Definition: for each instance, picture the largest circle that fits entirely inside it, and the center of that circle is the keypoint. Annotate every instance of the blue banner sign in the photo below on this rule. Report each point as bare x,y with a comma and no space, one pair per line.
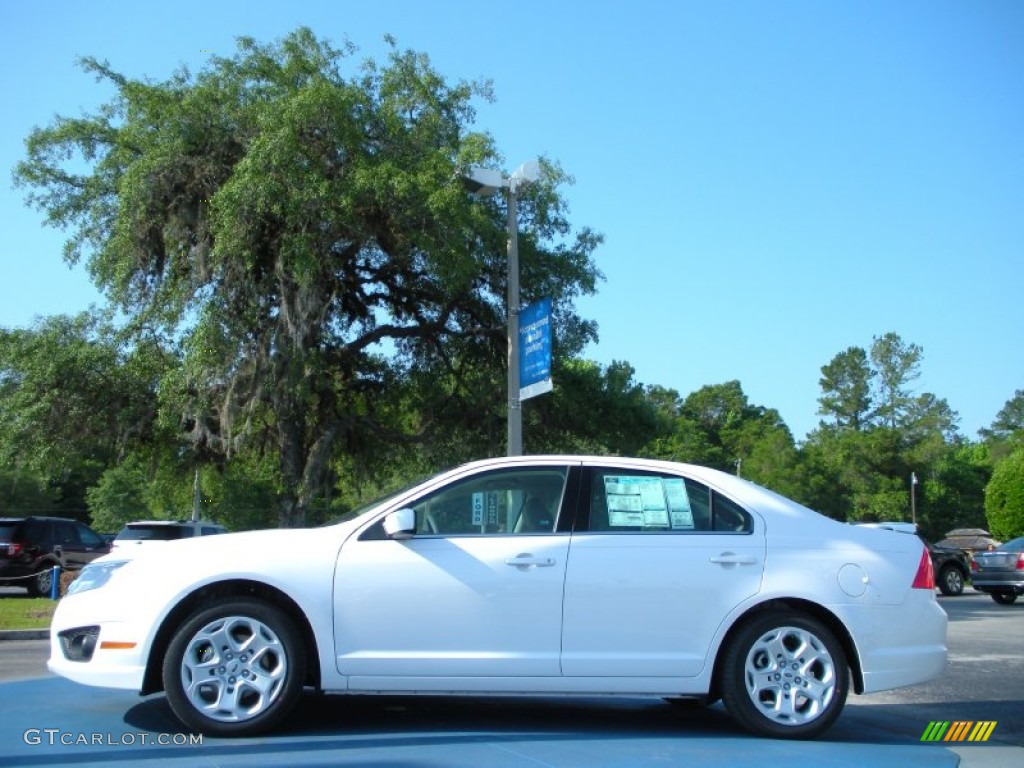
535,349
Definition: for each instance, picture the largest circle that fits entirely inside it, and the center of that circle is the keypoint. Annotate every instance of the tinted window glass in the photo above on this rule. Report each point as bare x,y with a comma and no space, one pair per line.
150,533
88,537
730,516
500,502
7,531
67,534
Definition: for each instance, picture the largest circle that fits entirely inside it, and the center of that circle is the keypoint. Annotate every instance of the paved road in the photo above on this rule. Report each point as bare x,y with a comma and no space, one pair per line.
985,681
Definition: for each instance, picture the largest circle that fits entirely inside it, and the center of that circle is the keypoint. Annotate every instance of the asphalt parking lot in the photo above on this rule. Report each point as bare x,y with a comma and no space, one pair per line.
984,682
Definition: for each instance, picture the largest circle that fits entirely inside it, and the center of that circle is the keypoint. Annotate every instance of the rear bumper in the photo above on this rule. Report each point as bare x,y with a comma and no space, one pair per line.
988,586
899,645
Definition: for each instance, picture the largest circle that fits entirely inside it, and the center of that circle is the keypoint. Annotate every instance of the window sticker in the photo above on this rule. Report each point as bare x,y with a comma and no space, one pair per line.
636,502
678,504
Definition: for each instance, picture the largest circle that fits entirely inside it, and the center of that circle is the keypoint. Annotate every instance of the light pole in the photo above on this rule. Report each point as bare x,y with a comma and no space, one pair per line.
913,500
485,182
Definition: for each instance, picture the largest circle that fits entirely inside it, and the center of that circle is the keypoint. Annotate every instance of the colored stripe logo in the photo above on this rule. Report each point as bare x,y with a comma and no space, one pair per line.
958,730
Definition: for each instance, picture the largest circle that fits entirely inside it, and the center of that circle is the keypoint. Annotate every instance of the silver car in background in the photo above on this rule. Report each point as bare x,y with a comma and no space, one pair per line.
1000,572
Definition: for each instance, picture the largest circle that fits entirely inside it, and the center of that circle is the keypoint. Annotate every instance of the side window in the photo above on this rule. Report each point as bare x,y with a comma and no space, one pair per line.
499,502
727,515
34,531
67,534
88,537
650,502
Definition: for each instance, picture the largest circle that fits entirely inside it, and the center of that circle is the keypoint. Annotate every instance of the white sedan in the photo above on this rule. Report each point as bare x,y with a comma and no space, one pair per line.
528,575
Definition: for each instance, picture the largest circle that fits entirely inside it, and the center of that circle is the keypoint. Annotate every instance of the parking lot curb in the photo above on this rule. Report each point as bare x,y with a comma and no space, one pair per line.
24,634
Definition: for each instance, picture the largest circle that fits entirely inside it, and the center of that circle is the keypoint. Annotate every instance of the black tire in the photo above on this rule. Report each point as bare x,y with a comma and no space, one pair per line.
951,581
41,583
235,669
1004,598
784,675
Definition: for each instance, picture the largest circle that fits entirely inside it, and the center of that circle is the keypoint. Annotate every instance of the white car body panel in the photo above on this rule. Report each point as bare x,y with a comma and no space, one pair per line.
650,605
475,614
589,613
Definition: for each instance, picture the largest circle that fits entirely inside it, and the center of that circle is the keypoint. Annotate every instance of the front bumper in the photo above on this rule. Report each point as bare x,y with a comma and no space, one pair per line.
113,657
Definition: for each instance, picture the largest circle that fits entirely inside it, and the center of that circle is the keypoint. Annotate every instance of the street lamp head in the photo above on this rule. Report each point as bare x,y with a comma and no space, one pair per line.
483,181
527,173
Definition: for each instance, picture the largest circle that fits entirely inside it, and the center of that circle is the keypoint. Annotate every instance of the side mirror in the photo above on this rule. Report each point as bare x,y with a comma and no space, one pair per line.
400,524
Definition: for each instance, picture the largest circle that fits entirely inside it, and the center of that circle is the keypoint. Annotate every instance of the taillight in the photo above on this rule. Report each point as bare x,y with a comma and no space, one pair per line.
13,550
1020,562
974,564
925,576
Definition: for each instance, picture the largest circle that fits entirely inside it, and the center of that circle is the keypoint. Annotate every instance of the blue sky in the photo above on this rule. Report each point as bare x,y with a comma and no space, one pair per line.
776,181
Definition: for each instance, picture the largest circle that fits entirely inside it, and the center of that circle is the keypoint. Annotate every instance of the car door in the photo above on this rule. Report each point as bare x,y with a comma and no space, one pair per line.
475,592
660,560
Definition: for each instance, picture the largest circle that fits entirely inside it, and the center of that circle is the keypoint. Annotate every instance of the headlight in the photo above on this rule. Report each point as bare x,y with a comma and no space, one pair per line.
94,576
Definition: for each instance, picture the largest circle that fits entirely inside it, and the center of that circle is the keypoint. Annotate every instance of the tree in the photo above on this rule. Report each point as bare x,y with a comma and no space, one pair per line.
897,365
846,389
592,410
952,493
718,426
74,399
1004,497
304,235
1007,430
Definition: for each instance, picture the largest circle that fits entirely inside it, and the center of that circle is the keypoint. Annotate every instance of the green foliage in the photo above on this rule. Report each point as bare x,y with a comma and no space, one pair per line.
24,493
1007,431
1004,497
952,494
846,389
69,389
118,497
296,224
897,365
592,410
718,427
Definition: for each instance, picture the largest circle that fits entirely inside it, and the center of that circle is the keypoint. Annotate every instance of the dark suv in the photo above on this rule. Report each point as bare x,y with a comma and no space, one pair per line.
31,546
952,568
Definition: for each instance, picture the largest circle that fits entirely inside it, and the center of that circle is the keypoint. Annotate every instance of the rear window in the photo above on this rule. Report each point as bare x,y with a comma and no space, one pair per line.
152,533
7,531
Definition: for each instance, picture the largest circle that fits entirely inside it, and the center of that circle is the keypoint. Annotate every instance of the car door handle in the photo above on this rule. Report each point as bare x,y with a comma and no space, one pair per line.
731,558
527,560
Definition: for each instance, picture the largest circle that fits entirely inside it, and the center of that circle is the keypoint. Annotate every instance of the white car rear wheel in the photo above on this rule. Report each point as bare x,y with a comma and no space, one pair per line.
785,676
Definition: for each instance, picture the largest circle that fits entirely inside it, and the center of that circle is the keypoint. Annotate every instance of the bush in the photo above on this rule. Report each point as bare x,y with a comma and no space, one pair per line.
1004,497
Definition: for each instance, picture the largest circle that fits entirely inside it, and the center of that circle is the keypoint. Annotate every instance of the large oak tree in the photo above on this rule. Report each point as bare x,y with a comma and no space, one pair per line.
293,222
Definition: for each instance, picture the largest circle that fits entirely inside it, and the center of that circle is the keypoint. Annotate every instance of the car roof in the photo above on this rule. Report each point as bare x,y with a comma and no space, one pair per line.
39,517
739,489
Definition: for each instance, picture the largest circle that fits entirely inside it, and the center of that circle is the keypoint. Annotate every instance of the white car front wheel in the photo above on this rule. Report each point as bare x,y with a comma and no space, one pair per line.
234,669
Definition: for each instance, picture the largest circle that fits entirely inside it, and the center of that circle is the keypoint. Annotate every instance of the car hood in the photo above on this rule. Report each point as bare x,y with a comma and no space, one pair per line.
248,551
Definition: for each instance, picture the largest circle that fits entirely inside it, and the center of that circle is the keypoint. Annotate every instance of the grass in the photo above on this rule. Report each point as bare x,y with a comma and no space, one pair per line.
17,612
